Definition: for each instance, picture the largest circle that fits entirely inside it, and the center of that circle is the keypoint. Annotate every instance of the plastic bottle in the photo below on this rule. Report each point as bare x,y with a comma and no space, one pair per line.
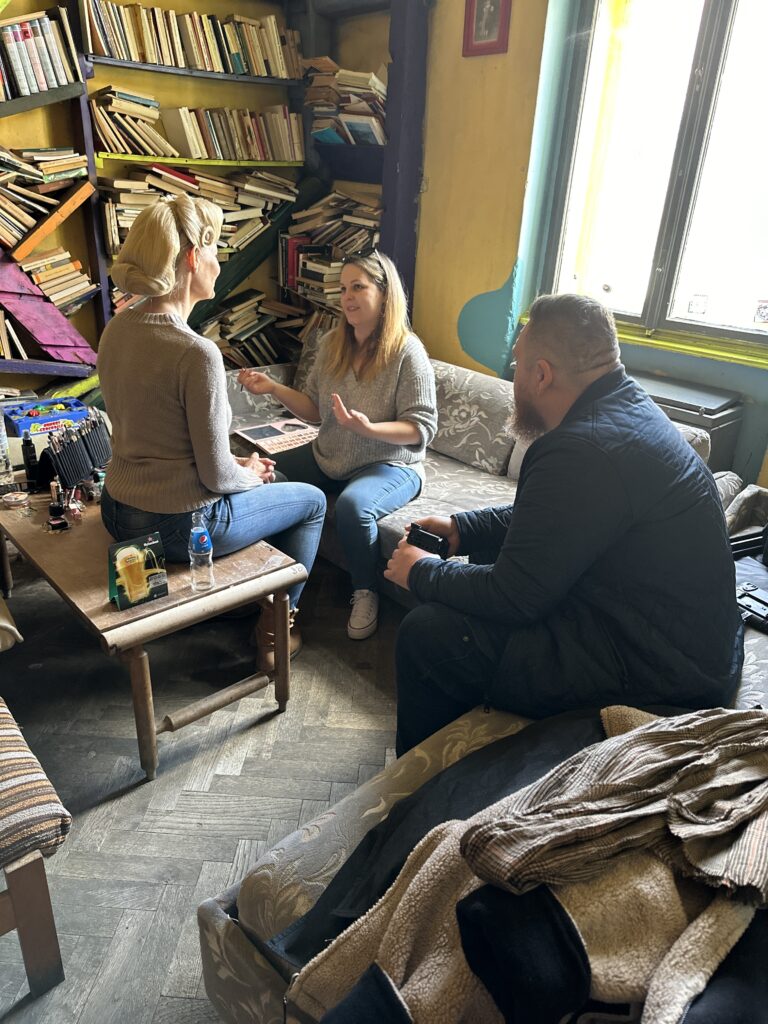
7,482
98,484
29,454
200,554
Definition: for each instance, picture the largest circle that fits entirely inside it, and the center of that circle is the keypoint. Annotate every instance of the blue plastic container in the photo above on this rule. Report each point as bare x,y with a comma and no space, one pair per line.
43,416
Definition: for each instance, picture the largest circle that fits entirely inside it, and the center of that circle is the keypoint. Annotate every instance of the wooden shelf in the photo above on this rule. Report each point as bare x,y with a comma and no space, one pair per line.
188,161
113,62
352,163
42,367
41,99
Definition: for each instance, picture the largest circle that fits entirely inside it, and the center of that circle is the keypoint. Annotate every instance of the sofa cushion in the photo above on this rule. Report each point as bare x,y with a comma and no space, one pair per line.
31,815
697,438
308,358
473,412
248,409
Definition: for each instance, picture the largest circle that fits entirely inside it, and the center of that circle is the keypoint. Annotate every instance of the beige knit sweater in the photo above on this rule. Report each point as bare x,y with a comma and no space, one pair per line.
165,392
403,390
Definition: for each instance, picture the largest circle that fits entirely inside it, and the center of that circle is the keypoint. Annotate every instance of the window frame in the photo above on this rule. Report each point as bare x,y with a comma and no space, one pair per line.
698,110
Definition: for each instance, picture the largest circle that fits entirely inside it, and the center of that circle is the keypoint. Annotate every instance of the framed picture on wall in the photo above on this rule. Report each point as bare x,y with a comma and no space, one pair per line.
486,27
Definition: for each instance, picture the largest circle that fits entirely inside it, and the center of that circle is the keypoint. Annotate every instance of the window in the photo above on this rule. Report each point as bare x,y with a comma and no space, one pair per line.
665,215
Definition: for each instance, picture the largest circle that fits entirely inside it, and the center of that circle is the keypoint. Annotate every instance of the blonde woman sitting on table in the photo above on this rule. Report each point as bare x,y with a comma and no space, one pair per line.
165,391
372,389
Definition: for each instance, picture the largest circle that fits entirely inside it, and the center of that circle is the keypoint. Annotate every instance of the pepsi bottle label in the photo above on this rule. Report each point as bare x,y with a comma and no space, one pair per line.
201,541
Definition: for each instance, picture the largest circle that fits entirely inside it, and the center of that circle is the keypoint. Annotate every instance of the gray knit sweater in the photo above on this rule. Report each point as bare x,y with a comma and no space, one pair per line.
165,392
404,390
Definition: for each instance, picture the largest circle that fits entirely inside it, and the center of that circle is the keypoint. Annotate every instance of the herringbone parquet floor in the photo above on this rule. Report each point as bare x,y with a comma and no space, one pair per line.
141,856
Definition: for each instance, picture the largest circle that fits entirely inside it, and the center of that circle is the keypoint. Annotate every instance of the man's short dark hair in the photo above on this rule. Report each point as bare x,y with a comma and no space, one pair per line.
579,333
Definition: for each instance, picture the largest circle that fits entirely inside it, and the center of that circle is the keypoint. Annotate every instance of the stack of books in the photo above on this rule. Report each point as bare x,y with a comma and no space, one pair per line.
20,209
37,53
61,279
318,279
22,206
10,346
225,134
123,300
134,123
254,331
233,45
249,201
55,163
345,219
347,107
239,328
128,122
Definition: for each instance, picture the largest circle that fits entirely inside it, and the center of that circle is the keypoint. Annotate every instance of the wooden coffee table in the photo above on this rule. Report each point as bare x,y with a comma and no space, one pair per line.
75,564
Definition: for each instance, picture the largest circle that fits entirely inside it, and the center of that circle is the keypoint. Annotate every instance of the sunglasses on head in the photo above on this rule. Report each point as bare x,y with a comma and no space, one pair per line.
364,254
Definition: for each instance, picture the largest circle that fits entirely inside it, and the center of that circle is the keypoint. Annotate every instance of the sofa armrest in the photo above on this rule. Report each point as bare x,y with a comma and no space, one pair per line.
290,877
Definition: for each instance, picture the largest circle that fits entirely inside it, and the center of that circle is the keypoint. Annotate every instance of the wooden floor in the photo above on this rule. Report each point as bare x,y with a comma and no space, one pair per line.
142,856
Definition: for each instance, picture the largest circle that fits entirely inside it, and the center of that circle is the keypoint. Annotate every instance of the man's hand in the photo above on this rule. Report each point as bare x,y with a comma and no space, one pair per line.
263,468
443,526
403,557
256,382
357,422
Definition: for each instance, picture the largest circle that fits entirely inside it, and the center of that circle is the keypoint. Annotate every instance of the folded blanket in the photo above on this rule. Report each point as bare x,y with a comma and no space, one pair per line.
691,789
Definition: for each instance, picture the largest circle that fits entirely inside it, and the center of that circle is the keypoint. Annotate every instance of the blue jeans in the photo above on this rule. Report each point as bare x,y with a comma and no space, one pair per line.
290,516
372,493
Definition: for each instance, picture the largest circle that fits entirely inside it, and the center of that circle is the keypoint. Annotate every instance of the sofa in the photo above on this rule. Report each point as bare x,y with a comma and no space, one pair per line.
472,462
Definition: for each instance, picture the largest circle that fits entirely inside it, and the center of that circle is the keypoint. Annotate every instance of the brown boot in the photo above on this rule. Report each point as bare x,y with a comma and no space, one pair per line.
264,637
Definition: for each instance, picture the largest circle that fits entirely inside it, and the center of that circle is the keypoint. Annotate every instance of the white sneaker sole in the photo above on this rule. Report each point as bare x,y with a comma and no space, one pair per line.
362,632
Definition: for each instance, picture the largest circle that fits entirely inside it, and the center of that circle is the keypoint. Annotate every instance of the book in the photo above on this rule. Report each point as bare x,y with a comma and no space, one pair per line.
78,195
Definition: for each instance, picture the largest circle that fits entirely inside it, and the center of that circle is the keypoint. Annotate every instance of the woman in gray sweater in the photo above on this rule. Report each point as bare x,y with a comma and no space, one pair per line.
372,389
166,394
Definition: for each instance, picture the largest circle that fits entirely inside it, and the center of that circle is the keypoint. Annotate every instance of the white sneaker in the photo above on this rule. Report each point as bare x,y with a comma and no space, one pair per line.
363,619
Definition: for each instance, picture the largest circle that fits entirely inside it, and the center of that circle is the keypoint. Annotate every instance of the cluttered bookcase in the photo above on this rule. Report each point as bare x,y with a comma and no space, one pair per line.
180,98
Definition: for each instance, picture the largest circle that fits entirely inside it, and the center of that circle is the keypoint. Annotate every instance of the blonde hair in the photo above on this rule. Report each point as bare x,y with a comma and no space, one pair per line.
148,262
391,334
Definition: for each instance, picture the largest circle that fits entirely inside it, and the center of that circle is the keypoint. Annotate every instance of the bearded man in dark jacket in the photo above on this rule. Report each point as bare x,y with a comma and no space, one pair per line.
608,581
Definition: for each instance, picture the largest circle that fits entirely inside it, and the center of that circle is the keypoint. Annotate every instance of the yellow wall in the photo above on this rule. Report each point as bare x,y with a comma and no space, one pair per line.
362,43
478,128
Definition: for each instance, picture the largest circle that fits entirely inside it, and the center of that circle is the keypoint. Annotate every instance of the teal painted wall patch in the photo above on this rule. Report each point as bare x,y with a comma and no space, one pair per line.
486,326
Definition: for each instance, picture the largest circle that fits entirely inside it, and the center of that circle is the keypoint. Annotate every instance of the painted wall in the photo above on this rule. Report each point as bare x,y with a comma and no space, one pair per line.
477,142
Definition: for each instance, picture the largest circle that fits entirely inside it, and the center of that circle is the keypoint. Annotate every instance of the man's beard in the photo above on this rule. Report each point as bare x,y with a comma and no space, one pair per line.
525,422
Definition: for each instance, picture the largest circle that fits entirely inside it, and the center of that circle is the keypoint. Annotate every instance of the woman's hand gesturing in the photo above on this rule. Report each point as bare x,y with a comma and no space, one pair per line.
357,422
256,382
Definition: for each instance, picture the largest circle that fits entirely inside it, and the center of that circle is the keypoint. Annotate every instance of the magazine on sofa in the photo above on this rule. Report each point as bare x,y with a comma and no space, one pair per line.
278,436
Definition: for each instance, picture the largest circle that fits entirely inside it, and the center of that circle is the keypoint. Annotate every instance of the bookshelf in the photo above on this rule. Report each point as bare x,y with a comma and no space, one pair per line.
186,161
23,104
186,85
398,165
45,368
92,58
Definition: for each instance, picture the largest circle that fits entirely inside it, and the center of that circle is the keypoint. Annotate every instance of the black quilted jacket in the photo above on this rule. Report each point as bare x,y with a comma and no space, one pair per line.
612,569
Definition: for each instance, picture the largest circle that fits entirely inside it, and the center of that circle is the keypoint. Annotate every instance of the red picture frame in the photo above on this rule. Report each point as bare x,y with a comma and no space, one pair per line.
486,27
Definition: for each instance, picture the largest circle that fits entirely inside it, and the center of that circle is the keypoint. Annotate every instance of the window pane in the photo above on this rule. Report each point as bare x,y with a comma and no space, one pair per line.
723,277
637,79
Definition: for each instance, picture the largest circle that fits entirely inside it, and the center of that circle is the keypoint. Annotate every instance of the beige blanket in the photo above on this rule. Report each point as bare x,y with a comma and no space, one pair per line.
647,936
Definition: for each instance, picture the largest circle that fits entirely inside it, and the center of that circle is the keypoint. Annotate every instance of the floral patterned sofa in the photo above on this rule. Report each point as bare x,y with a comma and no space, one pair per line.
471,463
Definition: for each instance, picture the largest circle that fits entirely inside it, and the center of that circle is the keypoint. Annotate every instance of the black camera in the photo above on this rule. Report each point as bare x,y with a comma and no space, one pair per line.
430,542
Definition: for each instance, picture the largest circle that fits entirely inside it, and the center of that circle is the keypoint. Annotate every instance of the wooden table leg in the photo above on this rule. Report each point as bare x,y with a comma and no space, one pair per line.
282,649
34,923
5,566
143,708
